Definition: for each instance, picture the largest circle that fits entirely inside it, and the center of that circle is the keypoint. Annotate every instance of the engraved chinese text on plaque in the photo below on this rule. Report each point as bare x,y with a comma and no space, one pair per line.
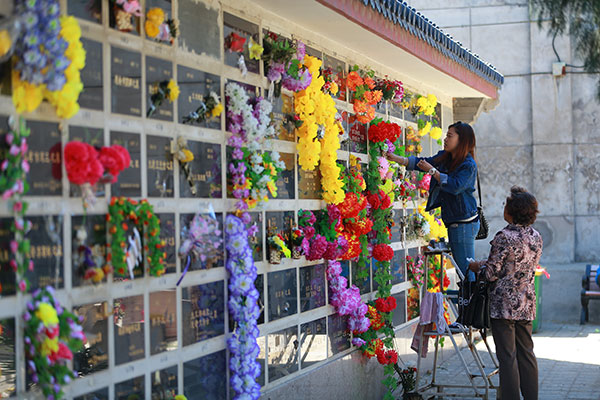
126,76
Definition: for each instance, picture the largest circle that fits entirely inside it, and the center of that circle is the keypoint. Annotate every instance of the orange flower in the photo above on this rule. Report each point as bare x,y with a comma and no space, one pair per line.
370,82
373,97
353,80
360,107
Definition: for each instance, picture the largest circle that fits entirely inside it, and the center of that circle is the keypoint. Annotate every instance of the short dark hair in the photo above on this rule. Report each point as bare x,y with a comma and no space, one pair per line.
522,206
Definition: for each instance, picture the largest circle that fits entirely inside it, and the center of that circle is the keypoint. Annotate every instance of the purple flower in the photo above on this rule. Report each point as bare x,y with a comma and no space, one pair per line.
9,138
238,154
276,71
300,50
4,165
358,342
297,84
26,316
14,150
35,378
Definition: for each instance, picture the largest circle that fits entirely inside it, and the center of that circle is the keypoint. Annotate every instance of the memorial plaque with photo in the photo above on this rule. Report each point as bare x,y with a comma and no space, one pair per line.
309,184
195,86
312,287
100,394
399,316
205,171
92,96
158,70
94,137
398,267
285,181
358,135
206,377
160,166
130,389
246,29
363,284
167,233
95,228
213,261
199,28
409,116
345,139
93,356
128,317
7,275
337,70
257,241
8,378
280,222
339,339
129,183
85,9
164,383
283,353
163,321
44,157
46,251
282,294
313,339
203,311
126,75
283,110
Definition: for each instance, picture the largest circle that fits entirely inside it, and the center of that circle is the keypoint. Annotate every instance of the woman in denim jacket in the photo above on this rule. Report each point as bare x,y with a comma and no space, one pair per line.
454,172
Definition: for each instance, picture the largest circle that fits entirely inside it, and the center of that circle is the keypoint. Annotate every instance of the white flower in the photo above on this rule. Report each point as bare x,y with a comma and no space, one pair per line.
275,156
258,169
256,158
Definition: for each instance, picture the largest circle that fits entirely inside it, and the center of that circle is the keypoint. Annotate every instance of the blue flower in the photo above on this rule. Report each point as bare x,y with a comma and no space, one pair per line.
234,225
30,19
31,39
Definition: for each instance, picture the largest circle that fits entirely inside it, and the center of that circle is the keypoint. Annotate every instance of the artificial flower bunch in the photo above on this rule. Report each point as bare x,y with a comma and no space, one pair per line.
284,63
210,107
161,91
333,82
49,56
159,27
321,239
13,186
85,164
201,240
244,310
88,263
52,334
437,229
319,133
392,90
124,11
235,43
365,96
278,243
413,142
416,272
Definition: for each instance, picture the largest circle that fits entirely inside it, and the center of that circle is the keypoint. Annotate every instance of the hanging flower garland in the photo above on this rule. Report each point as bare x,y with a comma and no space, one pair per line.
52,334
49,58
141,214
13,186
364,94
164,90
157,26
243,306
319,133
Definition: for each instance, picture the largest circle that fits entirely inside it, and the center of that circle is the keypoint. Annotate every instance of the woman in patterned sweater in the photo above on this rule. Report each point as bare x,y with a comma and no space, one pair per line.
510,269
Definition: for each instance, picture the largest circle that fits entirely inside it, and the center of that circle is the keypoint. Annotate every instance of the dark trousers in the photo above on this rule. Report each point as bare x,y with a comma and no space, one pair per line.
518,365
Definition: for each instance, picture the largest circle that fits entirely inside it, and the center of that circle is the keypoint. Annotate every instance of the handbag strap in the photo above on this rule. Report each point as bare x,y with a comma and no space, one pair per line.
479,190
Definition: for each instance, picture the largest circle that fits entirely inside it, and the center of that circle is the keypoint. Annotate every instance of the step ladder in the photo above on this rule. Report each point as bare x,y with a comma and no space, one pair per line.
480,378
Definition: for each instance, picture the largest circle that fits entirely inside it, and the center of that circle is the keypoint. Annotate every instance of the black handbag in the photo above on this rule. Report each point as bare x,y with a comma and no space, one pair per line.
484,227
474,303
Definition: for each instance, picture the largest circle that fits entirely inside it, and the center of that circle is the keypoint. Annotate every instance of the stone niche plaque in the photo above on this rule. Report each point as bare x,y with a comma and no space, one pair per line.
158,70
92,96
163,321
283,353
7,275
257,241
337,68
130,389
364,284
93,356
100,394
160,166
280,221
126,76
338,337
283,109
199,28
313,339
205,171
357,132
398,266
8,379
86,10
94,137
246,29
312,287
167,233
281,290
194,86
211,262
309,184
44,157
285,180
46,251
203,310
206,377
164,383
95,227
128,317
129,182
399,316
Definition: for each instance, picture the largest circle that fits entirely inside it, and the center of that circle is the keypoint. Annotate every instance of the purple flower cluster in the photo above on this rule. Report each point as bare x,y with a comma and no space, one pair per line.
347,301
41,50
299,82
244,310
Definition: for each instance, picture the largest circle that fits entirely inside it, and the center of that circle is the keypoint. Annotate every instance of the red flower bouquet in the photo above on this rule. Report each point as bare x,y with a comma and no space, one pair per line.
387,357
384,130
114,159
81,163
386,305
383,252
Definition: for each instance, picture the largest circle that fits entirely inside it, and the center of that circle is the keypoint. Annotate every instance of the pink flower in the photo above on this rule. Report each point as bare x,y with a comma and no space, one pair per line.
25,166
9,138
24,146
13,264
14,246
30,267
19,224
14,150
22,286
4,165
7,195
18,206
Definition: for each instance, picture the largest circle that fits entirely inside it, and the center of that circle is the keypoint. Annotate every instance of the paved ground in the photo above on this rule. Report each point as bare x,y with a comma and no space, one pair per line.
568,361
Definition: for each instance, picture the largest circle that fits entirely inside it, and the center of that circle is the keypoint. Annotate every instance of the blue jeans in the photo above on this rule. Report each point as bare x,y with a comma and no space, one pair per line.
461,238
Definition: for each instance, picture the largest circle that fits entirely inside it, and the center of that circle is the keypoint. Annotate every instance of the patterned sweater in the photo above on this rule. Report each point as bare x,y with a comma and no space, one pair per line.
510,268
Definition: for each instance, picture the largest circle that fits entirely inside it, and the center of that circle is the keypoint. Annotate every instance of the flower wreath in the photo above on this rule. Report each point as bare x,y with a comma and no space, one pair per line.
13,186
52,334
142,215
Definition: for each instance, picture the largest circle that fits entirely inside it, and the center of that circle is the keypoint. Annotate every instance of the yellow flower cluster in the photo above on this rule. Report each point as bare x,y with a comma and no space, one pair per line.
436,133
437,230
173,90
47,314
427,104
425,130
154,19
317,111
217,110
27,97
5,42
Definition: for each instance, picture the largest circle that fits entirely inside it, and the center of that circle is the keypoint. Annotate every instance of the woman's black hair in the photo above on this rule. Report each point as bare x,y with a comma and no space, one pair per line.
522,206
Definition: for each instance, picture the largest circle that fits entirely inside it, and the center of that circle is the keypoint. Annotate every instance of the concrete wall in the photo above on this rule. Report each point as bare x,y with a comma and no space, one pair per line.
544,135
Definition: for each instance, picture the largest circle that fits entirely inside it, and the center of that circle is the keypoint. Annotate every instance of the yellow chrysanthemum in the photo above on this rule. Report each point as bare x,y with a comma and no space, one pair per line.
156,16
425,130
49,346
334,88
255,50
98,276
5,42
47,314
217,110
436,133
69,29
26,96
186,156
173,90
152,30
